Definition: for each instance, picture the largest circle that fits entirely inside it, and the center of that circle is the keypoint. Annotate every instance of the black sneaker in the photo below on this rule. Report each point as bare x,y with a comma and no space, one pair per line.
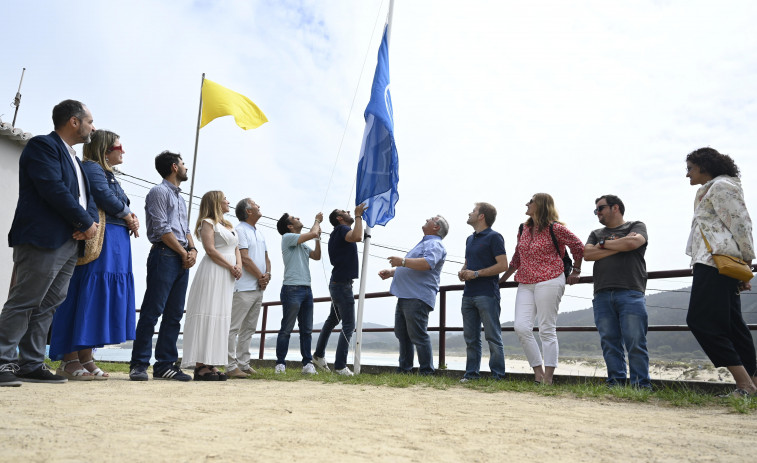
8,375
172,372
138,374
41,375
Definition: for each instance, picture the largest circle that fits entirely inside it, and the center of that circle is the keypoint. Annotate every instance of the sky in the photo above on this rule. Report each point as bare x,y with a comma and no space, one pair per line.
493,101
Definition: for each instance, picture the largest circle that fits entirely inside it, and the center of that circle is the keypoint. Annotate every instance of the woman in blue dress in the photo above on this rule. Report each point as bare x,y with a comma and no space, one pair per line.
99,308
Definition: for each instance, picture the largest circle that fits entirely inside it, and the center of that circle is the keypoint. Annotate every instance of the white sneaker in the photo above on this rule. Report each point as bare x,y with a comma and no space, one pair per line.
345,372
320,362
280,368
309,369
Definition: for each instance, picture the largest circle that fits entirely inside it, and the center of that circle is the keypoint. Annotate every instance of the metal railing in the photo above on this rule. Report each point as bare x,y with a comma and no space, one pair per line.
443,329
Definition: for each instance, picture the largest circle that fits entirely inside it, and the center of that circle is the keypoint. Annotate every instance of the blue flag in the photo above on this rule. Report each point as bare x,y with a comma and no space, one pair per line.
377,171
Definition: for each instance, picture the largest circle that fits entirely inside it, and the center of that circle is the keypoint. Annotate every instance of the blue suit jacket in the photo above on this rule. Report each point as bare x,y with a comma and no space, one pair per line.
48,209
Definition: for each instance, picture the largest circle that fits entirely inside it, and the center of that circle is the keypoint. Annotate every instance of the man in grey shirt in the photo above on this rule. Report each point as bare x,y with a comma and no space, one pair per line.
172,255
620,279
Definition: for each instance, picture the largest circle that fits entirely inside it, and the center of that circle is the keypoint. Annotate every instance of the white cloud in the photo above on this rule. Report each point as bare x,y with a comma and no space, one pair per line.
493,101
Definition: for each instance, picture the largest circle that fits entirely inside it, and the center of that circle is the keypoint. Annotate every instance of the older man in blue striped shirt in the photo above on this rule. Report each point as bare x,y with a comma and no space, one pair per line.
415,283
171,256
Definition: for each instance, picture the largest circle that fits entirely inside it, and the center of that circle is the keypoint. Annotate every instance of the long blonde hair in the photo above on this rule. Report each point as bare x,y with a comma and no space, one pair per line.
97,148
211,207
545,213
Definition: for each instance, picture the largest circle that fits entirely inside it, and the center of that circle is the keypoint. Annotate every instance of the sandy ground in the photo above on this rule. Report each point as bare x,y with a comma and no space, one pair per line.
262,420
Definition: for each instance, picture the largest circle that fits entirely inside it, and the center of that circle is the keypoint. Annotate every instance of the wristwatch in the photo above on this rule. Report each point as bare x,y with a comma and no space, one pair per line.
602,244
475,274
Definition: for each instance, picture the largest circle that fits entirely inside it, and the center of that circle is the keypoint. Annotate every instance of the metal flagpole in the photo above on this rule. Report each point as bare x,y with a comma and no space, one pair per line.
367,245
194,160
361,299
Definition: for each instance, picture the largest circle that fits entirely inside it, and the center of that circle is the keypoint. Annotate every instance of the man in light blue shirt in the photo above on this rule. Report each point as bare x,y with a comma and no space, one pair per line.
416,283
296,295
172,255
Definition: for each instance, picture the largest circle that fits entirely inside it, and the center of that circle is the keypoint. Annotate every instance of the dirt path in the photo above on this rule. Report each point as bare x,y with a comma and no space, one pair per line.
260,420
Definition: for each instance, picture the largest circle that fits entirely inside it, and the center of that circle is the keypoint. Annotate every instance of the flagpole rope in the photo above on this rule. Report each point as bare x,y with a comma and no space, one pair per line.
339,150
349,114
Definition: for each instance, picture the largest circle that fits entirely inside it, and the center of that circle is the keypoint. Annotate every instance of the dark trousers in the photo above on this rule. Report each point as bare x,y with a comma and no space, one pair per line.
167,281
715,320
342,311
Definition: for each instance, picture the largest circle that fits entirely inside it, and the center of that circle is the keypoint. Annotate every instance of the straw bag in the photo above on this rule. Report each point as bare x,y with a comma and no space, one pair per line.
94,245
730,266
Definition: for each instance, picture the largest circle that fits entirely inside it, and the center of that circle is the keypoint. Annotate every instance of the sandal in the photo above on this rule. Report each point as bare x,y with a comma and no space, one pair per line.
209,375
81,374
221,376
97,372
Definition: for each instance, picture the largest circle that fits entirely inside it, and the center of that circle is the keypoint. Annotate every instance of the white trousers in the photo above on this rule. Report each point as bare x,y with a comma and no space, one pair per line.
541,301
245,309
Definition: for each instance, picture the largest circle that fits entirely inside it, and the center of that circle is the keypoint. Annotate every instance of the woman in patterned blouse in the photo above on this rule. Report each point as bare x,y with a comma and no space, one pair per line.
721,216
541,281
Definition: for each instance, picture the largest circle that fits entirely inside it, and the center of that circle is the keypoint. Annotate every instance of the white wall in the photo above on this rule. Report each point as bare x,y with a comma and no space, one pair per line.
10,151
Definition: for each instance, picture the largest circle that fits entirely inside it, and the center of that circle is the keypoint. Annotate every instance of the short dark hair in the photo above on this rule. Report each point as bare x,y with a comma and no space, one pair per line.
611,201
489,211
241,209
65,110
333,216
710,161
283,224
164,161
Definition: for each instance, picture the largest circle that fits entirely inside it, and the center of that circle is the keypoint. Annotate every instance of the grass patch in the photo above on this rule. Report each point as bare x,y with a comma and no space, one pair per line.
673,396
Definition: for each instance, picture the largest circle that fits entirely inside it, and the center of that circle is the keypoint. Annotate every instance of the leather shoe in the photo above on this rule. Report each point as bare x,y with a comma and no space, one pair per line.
236,373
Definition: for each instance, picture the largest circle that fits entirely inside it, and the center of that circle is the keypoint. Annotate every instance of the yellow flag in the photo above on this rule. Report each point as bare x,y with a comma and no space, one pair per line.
219,101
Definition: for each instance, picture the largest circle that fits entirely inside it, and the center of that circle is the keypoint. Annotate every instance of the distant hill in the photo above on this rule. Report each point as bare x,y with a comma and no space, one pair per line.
668,308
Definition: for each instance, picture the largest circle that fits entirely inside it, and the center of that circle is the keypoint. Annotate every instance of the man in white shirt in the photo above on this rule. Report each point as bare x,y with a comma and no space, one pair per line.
248,290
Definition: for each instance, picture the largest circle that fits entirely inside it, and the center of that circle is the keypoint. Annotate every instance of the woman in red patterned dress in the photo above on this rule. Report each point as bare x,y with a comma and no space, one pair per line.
541,278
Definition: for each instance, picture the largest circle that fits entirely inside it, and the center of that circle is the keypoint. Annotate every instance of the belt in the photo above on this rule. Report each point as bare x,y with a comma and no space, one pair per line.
162,245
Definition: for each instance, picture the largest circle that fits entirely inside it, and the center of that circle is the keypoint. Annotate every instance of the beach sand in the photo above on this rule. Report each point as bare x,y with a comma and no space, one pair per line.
262,420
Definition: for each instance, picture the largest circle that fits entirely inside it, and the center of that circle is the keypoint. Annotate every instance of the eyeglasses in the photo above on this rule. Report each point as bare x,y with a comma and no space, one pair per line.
116,148
599,208
530,201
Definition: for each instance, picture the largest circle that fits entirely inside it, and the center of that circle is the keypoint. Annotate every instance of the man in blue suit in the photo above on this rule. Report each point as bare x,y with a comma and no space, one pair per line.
55,212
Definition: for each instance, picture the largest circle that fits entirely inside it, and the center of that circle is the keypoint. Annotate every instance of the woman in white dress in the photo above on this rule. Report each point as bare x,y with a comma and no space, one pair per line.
206,330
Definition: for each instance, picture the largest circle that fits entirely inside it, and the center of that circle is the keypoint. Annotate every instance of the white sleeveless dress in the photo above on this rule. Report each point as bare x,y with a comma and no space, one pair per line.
206,328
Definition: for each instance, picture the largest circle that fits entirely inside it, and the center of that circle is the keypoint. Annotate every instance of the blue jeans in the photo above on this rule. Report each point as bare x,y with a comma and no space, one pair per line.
621,319
411,329
296,304
165,294
342,308
478,310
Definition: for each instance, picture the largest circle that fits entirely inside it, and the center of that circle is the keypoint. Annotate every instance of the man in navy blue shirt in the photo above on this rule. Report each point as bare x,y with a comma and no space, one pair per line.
343,256
485,259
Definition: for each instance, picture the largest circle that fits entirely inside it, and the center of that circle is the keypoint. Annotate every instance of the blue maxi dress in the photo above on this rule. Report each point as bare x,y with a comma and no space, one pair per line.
100,308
